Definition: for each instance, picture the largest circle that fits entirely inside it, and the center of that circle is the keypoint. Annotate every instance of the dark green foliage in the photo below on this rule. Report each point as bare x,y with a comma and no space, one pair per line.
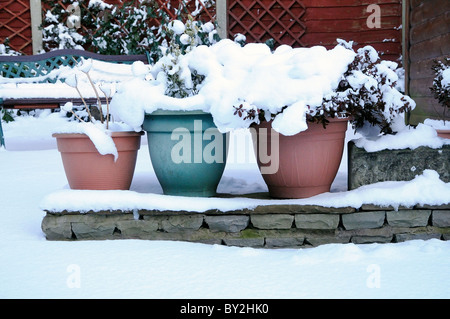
134,27
7,115
440,92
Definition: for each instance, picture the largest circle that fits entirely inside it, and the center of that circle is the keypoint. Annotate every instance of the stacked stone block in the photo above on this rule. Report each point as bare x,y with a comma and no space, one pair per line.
269,226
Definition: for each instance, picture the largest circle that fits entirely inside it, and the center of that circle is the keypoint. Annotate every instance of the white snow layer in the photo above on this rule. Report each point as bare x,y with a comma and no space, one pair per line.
99,72
408,137
438,124
445,77
294,79
425,189
32,267
97,133
235,75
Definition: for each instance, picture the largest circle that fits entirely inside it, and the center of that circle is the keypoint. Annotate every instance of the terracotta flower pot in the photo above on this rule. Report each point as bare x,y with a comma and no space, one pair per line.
308,161
443,133
86,168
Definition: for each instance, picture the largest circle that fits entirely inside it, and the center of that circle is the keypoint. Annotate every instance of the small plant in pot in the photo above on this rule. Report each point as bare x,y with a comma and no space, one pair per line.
306,141
187,151
441,92
97,153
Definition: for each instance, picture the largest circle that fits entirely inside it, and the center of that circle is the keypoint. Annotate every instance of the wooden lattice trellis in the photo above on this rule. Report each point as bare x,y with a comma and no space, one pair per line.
261,20
15,24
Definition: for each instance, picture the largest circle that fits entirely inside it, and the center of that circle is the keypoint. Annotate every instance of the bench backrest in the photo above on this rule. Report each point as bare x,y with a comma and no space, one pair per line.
29,66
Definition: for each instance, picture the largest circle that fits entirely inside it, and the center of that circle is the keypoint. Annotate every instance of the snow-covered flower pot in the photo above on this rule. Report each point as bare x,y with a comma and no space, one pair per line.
97,153
292,88
357,87
301,165
443,133
187,152
442,127
86,168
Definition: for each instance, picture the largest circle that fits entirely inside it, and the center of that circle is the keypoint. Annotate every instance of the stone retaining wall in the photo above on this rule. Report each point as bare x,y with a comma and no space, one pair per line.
269,226
366,168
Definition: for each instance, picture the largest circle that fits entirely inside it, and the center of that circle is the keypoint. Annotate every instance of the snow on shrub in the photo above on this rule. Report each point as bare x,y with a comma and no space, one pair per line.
367,93
5,49
56,33
171,68
95,121
134,27
242,85
441,84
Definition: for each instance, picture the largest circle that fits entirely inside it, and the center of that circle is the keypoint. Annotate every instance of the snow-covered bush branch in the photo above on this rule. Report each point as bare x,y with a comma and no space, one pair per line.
291,86
5,49
82,69
134,27
56,34
441,84
171,69
366,93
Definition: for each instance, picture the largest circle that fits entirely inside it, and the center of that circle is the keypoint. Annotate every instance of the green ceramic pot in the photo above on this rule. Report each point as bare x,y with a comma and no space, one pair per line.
187,151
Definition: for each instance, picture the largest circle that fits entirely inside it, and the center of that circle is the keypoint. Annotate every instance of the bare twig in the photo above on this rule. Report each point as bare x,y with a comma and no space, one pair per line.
79,118
99,103
84,102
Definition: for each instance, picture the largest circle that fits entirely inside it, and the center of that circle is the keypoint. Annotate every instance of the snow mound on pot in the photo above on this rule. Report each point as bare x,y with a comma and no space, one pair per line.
98,134
235,75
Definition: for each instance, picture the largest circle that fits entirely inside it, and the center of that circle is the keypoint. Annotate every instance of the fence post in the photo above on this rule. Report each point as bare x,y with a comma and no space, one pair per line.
222,18
36,21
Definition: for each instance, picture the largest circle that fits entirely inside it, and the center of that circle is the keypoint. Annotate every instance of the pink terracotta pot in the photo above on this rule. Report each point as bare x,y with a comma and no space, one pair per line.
308,161
86,168
443,133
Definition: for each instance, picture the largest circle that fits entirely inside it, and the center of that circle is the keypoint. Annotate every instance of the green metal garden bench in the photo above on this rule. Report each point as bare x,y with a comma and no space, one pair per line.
31,66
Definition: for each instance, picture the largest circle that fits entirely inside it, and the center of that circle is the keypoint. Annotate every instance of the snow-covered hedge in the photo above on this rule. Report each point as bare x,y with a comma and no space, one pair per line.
5,49
441,84
134,27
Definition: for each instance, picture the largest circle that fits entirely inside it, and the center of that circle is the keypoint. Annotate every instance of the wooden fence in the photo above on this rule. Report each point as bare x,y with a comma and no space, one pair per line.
429,39
305,23
15,25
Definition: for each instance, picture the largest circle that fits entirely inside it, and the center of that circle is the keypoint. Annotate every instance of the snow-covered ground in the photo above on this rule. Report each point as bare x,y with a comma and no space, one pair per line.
32,267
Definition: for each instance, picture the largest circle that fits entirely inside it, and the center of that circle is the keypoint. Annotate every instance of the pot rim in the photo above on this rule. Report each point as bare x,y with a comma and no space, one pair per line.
330,119
177,112
83,135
